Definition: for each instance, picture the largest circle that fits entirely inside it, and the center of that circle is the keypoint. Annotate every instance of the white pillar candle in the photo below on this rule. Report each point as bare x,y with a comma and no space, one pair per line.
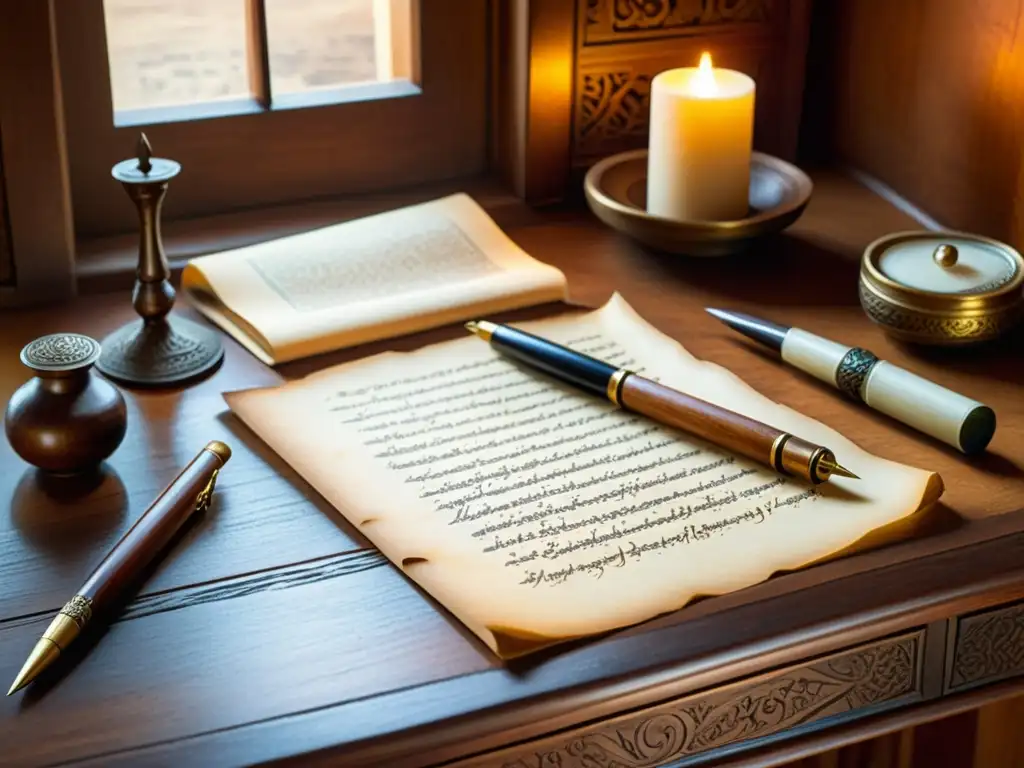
702,128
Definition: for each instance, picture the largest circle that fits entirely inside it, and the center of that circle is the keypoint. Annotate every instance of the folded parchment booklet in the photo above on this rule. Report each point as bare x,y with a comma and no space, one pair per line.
537,514
386,275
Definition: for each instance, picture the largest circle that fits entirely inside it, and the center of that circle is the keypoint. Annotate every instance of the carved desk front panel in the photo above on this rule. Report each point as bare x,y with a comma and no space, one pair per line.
848,684
986,646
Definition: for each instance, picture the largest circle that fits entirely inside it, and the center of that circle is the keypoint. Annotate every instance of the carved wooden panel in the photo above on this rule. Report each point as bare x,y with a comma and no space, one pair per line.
848,684
987,646
6,252
614,20
613,95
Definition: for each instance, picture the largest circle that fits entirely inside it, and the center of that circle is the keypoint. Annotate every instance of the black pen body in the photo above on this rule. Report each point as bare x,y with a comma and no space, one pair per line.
580,370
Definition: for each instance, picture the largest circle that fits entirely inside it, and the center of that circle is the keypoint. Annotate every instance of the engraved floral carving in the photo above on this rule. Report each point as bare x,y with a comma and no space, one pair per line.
989,646
853,371
916,325
168,352
613,104
614,107
857,680
608,20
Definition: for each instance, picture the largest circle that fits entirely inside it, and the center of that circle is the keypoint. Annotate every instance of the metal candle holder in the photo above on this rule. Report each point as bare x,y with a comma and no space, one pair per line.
158,350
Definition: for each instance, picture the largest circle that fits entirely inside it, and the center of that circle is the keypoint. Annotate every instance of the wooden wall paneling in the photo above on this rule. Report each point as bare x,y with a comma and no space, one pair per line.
928,96
793,66
948,742
533,62
6,256
38,200
997,739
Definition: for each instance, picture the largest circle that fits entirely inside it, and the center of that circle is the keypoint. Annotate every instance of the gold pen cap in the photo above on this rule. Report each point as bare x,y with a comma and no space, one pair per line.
220,450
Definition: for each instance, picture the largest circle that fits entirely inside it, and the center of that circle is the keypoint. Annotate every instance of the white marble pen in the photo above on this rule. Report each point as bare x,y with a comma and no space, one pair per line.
959,421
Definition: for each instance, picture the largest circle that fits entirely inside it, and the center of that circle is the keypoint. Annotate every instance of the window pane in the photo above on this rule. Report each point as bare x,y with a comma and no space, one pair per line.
173,52
317,44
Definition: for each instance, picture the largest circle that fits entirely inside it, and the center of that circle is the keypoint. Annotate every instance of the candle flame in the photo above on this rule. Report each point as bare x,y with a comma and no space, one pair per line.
704,83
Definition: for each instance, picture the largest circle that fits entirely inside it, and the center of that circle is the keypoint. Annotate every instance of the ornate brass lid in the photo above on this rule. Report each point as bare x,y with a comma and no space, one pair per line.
60,352
942,287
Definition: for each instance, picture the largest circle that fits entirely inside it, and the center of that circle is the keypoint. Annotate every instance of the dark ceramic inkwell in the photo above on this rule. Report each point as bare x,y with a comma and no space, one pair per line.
66,419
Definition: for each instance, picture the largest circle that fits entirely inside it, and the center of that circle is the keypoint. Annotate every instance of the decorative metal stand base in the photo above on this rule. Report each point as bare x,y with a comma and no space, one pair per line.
160,353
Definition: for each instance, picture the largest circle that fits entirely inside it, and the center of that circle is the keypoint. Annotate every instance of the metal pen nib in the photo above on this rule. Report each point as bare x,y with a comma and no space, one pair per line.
828,466
42,656
770,334
481,328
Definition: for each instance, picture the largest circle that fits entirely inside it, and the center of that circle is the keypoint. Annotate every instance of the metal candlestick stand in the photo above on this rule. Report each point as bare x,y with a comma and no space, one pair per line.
158,350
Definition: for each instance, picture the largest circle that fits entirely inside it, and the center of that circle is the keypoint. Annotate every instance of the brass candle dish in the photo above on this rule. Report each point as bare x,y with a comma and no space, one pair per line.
158,350
942,288
616,191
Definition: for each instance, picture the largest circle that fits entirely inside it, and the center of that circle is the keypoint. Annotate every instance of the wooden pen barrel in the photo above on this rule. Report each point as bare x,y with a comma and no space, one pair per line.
188,493
733,431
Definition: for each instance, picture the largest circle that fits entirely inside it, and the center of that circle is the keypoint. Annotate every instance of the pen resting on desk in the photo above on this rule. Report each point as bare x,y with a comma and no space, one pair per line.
536,513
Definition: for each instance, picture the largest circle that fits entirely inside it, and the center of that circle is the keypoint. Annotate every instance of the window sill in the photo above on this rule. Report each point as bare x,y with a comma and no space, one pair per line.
108,263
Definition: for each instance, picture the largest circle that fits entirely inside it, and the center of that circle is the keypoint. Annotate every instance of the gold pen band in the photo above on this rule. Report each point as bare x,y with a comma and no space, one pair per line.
775,455
813,463
71,620
615,385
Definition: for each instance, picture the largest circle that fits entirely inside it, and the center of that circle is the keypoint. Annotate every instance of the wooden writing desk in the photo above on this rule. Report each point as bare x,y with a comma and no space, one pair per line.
273,631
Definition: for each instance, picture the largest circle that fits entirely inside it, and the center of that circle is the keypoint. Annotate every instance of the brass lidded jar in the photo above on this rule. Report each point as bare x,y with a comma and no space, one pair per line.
66,419
942,288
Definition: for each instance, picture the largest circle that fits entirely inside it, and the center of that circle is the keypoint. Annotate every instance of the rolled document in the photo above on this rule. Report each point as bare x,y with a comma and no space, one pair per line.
946,415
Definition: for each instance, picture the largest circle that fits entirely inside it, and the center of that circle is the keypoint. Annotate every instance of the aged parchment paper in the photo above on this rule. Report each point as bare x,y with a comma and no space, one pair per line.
536,514
381,276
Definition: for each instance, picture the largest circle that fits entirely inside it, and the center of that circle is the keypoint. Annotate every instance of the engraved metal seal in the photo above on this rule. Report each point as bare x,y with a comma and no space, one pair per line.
853,371
61,352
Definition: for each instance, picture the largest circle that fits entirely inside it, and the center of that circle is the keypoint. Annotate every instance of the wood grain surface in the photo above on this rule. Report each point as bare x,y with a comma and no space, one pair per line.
733,431
273,630
926,96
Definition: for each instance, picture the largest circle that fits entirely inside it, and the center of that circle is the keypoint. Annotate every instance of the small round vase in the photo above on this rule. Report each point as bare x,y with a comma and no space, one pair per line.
66,419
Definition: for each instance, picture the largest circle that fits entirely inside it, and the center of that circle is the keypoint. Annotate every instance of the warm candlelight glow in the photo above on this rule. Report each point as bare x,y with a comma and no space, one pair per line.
704,83
701,135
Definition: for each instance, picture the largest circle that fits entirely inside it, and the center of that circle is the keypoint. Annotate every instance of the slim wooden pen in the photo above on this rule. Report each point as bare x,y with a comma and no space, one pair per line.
188,493
783,451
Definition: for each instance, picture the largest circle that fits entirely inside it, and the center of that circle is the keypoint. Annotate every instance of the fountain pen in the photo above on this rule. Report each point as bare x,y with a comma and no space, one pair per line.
965,424
786,453
188,494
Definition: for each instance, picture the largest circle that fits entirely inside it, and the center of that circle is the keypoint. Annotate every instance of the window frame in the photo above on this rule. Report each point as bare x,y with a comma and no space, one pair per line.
262,157
528,142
